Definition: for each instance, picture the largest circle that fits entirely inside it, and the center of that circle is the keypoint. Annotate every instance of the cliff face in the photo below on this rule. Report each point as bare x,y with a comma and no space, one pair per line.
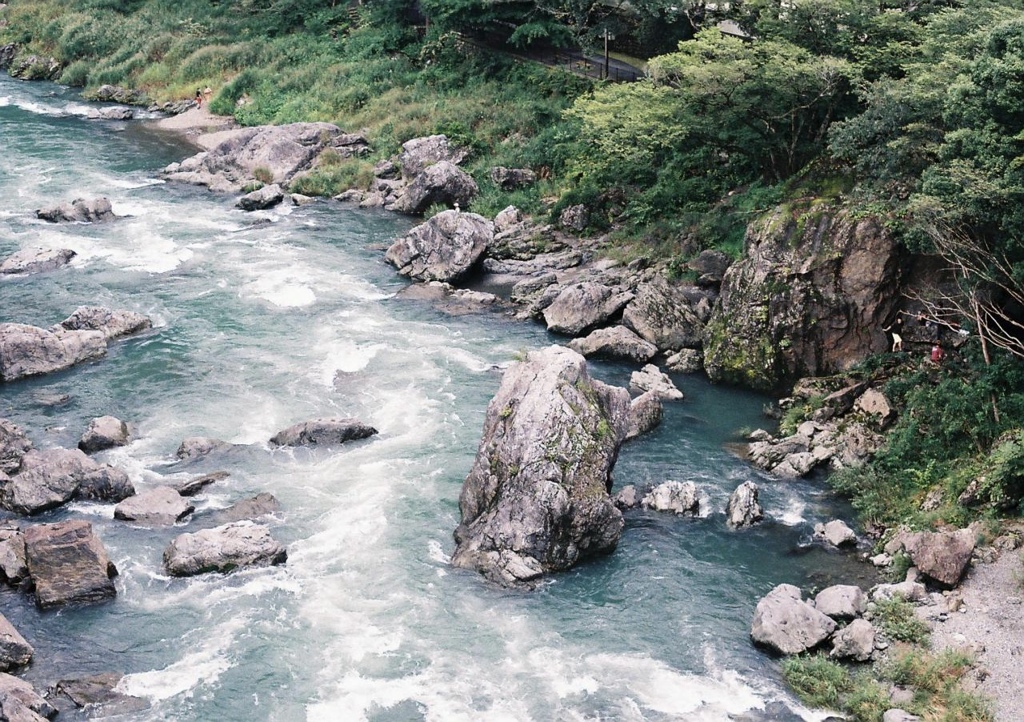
811,296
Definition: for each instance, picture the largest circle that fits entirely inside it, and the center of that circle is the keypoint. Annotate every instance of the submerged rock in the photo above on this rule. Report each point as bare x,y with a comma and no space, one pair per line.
36,260
99,696
195,485
536,499
322,432
263,504
68,564
223,549
445,248
196,447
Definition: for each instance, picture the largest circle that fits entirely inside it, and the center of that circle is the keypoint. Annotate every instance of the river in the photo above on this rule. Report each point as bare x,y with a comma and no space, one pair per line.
266,319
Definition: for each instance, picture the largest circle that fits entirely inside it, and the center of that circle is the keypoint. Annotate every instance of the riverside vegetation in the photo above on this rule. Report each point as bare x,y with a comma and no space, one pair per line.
906,112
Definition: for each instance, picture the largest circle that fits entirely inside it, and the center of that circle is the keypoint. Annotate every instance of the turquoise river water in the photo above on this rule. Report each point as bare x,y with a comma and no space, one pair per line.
263,320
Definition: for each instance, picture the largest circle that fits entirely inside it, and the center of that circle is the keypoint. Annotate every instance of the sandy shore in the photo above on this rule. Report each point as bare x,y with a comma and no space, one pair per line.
992,619
199,125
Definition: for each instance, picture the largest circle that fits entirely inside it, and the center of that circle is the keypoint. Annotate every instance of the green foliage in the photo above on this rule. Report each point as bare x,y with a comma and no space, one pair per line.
896,618
817,680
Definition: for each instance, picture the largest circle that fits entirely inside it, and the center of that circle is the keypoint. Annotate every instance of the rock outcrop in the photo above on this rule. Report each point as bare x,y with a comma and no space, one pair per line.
786,624
650,379
445,248
36,260
645,412
19,701
443,183
223,549
662,314
322,432
13,446
810,297
68,564
274,153
419,154
104,432
537,498
80,210
582,306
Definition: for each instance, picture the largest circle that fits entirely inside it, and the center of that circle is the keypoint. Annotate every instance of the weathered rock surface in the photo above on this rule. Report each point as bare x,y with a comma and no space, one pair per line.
445,248
582,306
104,432
34,67
743,508
222,549
420,153
13,566
536,499
614,342
651,379
941,556
7,53
52,477
836,532
99,696
275,152
786,624
262,198
645,412
661,313
31,351
627,498
68,564
810,297
686,361
855,641
160,506
322,432
841,601
443,183
196,484
36,260
196,447
508,179
263,504
19,701
80,210
113,323
14,650
679,497
13,446
451,300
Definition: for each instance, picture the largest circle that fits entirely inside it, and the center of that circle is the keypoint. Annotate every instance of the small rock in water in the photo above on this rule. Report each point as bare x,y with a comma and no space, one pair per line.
322,431
194,486
104,432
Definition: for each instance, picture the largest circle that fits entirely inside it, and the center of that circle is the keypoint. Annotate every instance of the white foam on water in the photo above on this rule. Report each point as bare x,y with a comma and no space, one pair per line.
202,666
283,288
343,356
793,513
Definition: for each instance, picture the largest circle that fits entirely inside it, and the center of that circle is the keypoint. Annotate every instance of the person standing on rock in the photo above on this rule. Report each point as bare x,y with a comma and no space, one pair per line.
894,328
199,98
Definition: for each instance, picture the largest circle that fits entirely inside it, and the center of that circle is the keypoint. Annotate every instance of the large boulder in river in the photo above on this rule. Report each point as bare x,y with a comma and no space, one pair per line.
661,313
14,650
787,624
52,477
322,432
615,342
36,260
261,198
941,556
113,324
445,248
31,351
276,153
743,508
582,306
13,446
223,549
80,210
810,297
104,432
651,379
443,183
645,412
679,497
160,506
68,564
536,499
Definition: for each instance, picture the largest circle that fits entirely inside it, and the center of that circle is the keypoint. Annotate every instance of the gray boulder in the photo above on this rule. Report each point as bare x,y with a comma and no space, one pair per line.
13,566
160,506
113,323
583,306
686,361
19,701
261,198
508,179
841,601
7,53
36,260
508,218
196,484
223,549
786,624
661,314
68,564
276,153
575,218
710,266
678,497
104,432
536,499
650,378
941,556
836,533
614,342
80,210
443,183
31,351
14,650
263,504
99,696
855,641
627,498
453,301
13,446
908,591
645,412
420,153
445,248
196,447
322,432
52,477
743,508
